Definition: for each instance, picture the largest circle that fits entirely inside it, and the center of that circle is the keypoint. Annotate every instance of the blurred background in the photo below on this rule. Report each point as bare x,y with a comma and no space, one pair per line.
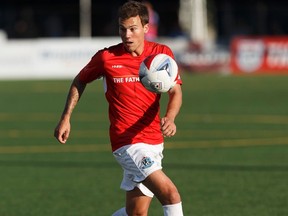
229,156
202,33
225,19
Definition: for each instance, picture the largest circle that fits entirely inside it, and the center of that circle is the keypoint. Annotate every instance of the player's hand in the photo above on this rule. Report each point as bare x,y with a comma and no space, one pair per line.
62,131
168,127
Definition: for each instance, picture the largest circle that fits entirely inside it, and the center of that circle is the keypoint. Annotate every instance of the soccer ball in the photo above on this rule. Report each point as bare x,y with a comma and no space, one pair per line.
158,73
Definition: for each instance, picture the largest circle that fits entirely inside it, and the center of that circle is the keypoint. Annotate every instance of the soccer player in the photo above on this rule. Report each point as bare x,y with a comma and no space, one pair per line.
136,129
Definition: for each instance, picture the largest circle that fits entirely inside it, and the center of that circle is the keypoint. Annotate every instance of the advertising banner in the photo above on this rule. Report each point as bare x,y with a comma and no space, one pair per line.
60,58
198,58
48,58
259,55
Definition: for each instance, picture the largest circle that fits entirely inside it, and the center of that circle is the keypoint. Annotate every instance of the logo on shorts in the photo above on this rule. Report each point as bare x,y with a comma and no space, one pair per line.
146,162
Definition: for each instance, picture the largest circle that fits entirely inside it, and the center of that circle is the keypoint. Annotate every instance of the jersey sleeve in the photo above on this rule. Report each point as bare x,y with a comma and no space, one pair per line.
94,69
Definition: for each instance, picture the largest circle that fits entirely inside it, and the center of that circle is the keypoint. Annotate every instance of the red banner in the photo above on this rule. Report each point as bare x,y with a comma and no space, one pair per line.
259,55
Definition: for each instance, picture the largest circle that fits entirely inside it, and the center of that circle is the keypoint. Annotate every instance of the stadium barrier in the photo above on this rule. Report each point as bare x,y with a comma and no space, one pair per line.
55,58
204,58
64,58
47,58
259,55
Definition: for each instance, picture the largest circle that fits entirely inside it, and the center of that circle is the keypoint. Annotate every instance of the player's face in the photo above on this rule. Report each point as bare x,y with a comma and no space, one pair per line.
132,34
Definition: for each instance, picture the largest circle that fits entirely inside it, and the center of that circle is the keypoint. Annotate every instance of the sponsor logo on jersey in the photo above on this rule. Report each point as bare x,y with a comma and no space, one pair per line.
128,79
117,66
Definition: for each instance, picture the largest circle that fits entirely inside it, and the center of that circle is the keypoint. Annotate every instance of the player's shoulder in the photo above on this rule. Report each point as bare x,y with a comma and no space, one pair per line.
115,48
156,47
108,52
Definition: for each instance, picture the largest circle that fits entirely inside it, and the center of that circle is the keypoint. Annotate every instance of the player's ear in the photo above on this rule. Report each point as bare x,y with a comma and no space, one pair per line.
146,28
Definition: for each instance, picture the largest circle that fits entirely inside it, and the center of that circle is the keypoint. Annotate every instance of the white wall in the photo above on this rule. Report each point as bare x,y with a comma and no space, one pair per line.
54,58
47,58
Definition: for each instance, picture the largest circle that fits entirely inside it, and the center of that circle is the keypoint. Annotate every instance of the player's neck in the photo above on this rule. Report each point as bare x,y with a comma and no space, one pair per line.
138,51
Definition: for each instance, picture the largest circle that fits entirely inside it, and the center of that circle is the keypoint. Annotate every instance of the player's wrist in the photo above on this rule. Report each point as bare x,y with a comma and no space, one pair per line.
170,117
65,117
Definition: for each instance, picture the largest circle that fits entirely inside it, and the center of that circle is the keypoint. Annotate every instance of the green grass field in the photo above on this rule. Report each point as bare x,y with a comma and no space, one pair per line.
229,157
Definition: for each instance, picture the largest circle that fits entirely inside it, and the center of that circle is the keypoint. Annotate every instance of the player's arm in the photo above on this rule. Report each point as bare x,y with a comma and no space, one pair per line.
62,130
168,125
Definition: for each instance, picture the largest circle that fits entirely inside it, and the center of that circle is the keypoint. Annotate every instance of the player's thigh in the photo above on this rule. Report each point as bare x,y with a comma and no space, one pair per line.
163,188
137,203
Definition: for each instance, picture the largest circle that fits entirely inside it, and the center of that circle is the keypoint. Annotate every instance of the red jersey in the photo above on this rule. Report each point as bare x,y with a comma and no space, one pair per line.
133,110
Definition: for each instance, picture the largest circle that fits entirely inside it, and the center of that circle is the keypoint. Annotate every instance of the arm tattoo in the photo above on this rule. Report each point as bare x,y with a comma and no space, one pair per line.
75,92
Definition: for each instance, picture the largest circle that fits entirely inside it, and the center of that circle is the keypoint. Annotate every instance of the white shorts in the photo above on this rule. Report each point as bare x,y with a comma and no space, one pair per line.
138,161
